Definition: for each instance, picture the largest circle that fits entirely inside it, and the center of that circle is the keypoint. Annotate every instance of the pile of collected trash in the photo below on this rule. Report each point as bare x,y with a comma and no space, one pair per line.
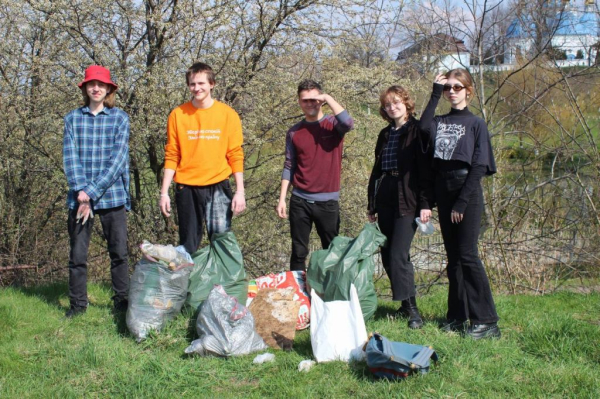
168,278
237,317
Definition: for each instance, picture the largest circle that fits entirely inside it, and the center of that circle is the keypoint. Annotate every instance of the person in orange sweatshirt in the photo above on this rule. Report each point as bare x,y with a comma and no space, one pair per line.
204,148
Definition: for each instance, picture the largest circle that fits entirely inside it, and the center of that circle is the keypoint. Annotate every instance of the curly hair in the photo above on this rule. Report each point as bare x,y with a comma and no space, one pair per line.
400,93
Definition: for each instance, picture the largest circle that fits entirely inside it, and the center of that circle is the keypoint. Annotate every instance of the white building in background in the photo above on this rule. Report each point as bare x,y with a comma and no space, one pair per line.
439,52
572,27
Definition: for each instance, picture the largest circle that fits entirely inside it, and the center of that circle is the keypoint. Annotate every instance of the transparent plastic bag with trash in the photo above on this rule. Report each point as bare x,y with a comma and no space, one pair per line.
156,296
225,327
173,257
425,228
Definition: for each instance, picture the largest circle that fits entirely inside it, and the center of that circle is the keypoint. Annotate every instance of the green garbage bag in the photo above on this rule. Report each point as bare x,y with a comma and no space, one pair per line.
222,263
347,261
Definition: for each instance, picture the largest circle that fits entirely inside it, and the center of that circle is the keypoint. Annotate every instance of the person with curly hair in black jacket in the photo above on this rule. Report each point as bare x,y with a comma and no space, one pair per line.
400,189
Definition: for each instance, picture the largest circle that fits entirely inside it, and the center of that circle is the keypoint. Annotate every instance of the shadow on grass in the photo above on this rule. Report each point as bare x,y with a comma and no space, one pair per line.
120,321
361,371
302,344
439,321
388,312
51,293
192,316
383,312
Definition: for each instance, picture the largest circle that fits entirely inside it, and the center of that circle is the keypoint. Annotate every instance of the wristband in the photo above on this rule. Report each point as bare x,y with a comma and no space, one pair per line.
164,195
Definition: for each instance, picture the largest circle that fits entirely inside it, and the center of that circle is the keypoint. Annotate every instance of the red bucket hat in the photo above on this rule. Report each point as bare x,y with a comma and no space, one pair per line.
97,72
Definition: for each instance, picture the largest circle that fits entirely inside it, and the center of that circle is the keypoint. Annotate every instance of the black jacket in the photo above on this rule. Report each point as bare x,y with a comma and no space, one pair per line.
471,150
415,181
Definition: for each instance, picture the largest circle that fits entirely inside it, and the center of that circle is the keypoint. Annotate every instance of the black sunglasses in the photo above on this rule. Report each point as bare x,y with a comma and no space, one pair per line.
455,87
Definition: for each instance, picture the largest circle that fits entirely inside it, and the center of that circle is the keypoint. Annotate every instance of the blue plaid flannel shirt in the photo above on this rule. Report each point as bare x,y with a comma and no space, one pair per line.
96,157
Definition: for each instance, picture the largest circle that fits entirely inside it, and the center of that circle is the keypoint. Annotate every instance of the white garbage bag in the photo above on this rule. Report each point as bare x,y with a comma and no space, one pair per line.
336,327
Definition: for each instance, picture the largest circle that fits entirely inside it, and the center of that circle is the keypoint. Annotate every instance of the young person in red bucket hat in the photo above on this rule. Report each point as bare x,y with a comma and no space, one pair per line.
96,162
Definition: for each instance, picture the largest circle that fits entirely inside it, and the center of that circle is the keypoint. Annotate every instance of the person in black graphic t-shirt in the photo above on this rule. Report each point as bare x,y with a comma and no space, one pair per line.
462,156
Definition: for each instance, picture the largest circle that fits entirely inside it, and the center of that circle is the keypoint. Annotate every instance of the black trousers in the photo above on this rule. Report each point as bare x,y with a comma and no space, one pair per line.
114,227
400,231
197,205
326,217
469,294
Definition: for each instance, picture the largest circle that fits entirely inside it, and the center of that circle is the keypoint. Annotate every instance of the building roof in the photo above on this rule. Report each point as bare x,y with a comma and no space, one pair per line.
438,43
589,21
564,22
576,23
516,31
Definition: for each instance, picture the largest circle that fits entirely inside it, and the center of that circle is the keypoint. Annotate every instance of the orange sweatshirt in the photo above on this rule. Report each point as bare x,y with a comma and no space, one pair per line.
204,146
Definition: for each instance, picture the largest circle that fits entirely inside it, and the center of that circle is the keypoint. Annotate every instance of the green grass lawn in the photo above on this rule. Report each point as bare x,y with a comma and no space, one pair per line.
550,348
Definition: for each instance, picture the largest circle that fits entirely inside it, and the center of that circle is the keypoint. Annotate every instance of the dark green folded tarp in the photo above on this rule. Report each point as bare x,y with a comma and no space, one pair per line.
222,263
347,261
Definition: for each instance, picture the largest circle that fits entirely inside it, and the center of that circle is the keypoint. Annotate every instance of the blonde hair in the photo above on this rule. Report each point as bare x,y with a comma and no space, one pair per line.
109,101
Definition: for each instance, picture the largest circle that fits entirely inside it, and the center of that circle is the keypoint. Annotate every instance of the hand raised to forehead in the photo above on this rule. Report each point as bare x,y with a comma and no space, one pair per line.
321,98
441,79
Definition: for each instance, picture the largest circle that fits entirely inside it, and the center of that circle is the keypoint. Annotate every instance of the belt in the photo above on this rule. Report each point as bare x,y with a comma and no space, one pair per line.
394,173
313,201
454,173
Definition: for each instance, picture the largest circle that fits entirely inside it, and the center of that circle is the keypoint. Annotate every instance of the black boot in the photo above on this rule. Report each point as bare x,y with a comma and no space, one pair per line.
458,326
414,318
487,330
75,310
403,309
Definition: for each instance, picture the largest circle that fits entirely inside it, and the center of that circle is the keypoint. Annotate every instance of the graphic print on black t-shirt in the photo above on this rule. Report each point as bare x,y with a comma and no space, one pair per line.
446,140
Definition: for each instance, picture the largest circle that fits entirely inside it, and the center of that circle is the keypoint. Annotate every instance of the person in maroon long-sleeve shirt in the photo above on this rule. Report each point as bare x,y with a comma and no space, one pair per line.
313,161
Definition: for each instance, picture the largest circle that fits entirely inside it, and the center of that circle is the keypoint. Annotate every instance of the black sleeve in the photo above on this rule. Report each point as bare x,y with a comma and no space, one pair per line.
375,173
473,179
482,164
427,118
426,177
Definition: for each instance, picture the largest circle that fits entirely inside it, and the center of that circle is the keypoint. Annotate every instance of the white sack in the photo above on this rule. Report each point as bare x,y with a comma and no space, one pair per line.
336,327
